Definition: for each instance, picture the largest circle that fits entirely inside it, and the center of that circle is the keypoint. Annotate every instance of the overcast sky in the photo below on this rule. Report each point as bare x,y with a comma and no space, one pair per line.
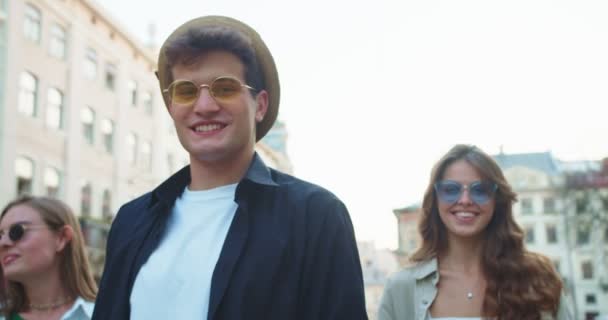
374,92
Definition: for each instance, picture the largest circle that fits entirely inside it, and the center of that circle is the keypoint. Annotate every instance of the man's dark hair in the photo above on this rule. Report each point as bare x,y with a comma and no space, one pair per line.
187,48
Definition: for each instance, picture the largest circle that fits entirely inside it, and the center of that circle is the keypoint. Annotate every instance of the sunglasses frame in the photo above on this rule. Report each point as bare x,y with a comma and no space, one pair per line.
24,228
200,87
462,187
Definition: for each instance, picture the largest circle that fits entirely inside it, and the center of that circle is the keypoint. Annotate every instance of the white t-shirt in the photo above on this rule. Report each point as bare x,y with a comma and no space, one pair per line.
175,282
429,317
455,318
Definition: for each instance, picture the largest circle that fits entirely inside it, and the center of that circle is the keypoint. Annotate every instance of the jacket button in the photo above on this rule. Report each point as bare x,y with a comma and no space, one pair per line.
425,302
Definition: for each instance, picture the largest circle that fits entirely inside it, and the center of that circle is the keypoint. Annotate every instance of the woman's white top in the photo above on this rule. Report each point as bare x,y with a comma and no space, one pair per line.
454,318
81,310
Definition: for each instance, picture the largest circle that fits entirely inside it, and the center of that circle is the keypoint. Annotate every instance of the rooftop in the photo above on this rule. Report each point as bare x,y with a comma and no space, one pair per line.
542,161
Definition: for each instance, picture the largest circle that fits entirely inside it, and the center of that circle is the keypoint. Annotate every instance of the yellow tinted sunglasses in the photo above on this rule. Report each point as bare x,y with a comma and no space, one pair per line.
222,89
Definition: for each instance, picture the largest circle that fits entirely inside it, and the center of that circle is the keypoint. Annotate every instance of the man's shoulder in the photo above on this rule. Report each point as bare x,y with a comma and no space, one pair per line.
138,203
134,208
294,184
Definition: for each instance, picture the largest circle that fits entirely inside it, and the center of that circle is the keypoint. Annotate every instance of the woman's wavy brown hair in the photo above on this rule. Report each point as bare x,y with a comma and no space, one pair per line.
75,270
520,284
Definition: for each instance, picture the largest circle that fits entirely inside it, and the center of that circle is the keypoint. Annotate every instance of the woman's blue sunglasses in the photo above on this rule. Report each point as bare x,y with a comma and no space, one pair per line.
480,192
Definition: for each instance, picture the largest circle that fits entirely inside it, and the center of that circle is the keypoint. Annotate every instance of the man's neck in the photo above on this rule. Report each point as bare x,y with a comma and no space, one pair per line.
212,174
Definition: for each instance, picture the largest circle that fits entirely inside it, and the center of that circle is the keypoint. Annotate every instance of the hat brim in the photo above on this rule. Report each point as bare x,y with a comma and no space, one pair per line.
263,56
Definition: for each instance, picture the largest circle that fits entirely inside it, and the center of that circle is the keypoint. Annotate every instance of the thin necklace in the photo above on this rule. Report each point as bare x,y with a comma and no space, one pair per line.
50,306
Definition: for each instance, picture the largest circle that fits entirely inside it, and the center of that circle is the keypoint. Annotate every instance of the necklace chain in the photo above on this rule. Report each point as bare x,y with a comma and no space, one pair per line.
50,306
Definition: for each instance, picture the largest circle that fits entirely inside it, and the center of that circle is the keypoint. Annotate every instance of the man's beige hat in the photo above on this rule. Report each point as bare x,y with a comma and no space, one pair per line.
264,58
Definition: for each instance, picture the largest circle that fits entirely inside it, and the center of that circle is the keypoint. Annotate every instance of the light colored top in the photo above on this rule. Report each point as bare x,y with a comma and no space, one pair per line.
409,294
80,310
454,318
175,282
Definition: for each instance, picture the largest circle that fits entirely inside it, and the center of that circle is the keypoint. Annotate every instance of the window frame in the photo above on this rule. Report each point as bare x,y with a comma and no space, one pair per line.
527,210
29,94
58,41
88,126
32,23
91,64
20,174
58,185
132,144
55,109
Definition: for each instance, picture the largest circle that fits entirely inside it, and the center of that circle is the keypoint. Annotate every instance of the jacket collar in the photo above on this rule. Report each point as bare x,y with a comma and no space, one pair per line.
173,187
80,310
425,269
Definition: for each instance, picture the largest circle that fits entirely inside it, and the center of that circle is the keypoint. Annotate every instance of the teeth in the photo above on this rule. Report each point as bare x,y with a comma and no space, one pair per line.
464,214
207,127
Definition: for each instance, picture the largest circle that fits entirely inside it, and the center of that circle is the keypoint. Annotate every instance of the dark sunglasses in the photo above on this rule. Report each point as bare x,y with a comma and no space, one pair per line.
222,89
17,231
480,192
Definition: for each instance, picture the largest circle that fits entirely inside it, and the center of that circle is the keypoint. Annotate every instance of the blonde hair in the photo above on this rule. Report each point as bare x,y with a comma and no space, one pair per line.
75,269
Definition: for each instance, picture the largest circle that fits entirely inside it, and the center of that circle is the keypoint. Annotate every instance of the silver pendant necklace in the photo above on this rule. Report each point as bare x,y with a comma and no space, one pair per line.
469,295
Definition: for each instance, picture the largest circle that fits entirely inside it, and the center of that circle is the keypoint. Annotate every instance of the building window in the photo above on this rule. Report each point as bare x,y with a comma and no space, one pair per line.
526,206
90,64
587,269
549,206
147,101
87,117
412,245
132,87
57,44
32,23
529,234
28,94
132,148
590,298
86,193
110,76
591,315
107,130
582,236
24,170
146,153
52,182
551,234
556,264
54,110
581,205
106,205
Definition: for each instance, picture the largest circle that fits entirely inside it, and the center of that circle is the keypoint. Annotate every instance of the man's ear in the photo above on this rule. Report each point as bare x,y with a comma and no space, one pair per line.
261,105
64,236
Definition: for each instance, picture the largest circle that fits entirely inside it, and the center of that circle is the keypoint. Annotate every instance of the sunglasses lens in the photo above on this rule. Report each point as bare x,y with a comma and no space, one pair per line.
184,92
15,232
223,88
482,192
448,191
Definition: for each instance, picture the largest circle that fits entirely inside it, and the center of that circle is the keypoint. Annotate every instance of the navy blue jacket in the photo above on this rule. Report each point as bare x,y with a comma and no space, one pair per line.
290,252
